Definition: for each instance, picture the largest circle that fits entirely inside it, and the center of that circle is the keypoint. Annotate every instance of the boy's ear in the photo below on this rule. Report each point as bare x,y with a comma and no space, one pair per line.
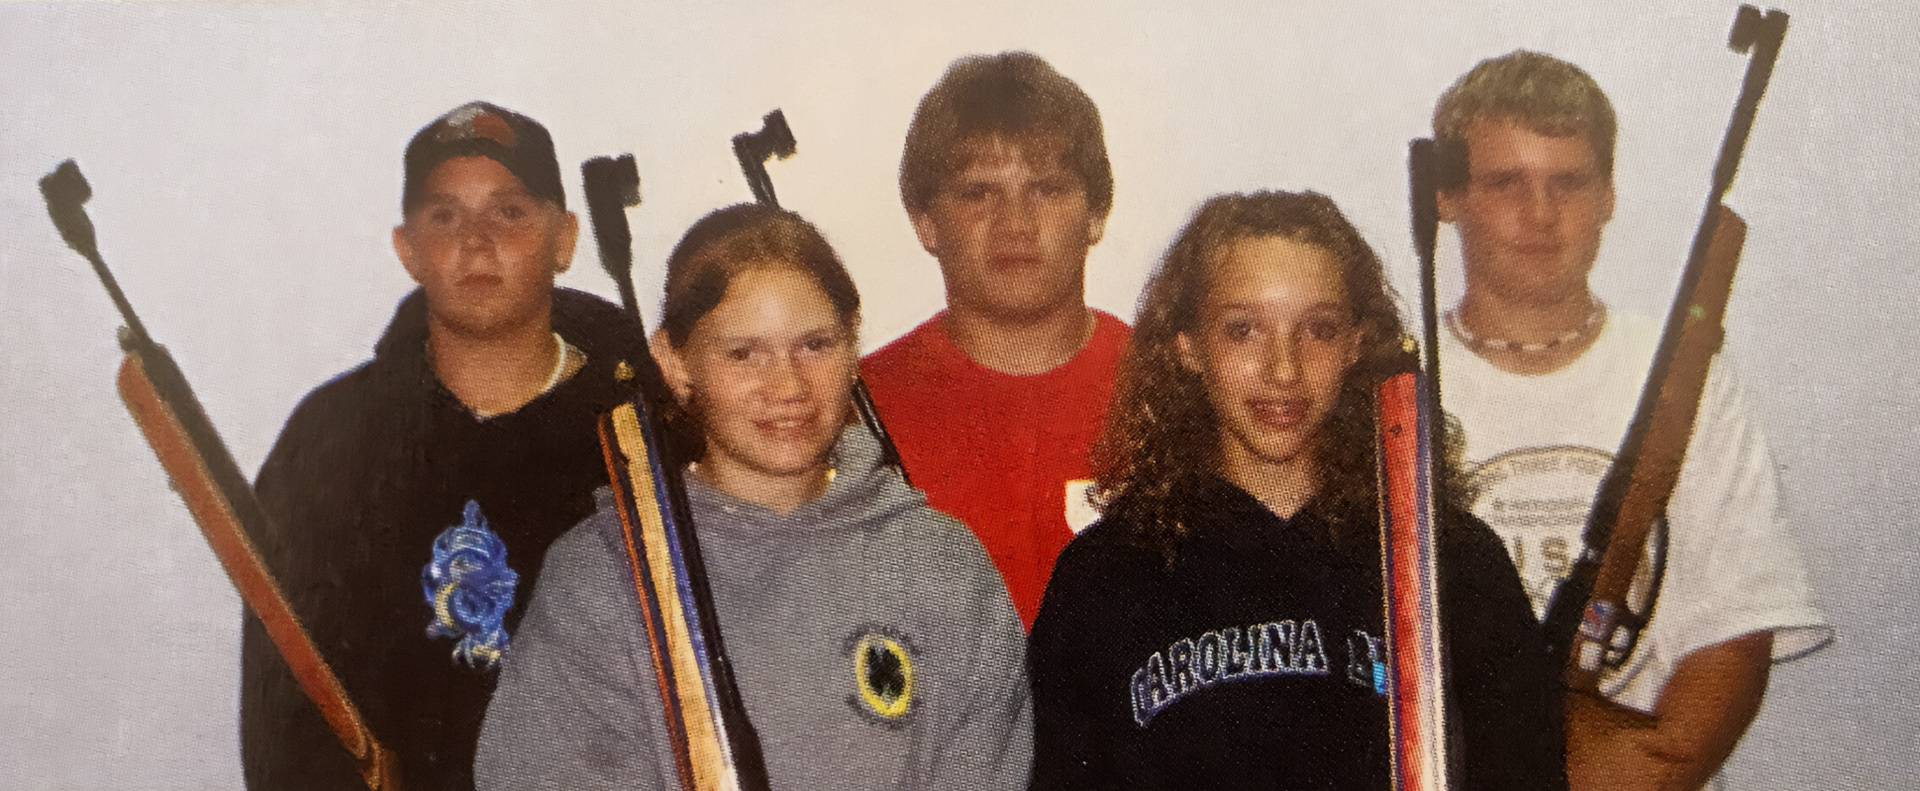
569,235
673,368
853,335
403,247
1189,356
1096,228
928,231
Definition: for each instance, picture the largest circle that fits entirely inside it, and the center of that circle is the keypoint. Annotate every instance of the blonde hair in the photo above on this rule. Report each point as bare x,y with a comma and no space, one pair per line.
1542,93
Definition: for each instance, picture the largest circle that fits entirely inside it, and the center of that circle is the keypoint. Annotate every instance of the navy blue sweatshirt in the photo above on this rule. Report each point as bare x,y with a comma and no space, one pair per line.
370,468
1249,660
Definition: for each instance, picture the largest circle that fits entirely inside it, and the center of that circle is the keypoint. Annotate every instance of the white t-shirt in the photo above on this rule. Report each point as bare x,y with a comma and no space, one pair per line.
1537,448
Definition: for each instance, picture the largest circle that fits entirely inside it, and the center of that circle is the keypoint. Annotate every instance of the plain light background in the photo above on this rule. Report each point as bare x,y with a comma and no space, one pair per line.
245,159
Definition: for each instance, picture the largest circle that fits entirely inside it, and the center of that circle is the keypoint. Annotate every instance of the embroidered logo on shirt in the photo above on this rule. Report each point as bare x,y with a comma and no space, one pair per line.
1366,662
883,674
470,588
1275,648
1083,505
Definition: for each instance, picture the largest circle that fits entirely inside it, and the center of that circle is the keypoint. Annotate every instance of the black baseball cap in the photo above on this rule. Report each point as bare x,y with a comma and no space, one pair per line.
517,142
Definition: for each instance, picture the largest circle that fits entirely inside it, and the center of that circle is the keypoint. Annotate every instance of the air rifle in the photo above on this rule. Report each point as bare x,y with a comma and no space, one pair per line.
715,747
212,486
775,139
1588,621
1410,425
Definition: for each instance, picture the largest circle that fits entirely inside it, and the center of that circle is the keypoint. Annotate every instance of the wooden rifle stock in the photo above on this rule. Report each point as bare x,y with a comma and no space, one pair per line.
711,736
714,744
1408,421
216,493
1588,621
164,417
1409,550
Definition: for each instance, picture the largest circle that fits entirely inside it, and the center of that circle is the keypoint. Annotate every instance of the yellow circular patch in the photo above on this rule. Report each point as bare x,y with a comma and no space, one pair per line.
884,673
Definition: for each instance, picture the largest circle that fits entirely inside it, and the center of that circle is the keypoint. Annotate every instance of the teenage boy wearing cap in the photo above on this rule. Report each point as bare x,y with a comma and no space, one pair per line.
996,401
483,391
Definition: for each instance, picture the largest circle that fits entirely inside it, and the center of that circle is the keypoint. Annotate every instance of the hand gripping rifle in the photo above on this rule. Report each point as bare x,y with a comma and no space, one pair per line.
212,486
775,139
1588,621
714,745
1410,425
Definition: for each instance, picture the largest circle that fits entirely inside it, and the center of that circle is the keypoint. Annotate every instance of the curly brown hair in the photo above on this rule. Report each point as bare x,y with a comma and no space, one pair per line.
1162,436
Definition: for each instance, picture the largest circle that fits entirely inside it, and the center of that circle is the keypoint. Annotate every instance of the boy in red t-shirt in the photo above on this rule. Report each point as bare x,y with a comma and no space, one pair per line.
996,401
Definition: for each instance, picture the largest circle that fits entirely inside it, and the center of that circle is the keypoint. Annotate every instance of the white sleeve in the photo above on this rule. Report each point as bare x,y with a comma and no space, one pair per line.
1733,567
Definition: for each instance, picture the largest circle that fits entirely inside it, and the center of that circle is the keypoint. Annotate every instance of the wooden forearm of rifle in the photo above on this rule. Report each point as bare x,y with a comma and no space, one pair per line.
693,726
1409,549
214,511
1656,470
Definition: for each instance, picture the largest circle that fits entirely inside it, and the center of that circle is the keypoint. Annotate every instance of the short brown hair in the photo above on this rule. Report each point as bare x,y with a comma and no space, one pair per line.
1015,95
1543,93
747,236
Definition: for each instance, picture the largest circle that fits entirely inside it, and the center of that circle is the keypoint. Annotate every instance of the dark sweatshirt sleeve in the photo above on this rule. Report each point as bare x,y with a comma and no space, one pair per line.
284,741
1080,720
1506,690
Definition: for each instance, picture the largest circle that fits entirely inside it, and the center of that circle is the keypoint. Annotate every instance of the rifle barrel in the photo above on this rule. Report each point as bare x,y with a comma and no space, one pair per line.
1586,619
212,486
714,743
66,192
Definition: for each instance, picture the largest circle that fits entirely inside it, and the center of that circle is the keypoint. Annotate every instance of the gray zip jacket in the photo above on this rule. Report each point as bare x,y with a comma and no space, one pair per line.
873,641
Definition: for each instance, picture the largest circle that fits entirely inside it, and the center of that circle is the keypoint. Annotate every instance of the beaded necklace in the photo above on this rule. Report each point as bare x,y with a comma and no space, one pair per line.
1596,317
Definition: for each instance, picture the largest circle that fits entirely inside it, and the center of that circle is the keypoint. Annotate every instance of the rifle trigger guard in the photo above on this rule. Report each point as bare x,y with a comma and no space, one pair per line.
1608,635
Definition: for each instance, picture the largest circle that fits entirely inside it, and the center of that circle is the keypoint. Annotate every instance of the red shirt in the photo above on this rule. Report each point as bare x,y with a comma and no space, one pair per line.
1006,454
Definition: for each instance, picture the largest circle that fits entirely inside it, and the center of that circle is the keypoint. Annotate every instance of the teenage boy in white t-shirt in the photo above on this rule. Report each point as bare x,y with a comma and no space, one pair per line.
1544,380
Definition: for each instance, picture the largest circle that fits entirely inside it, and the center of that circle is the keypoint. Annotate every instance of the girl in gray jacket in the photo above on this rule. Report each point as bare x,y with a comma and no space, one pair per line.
874,644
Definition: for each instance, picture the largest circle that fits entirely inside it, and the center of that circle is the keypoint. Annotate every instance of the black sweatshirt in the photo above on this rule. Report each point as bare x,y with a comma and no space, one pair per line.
370,468
1248,662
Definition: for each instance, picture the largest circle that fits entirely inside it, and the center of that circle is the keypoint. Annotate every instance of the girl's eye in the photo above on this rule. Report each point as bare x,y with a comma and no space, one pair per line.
1324,330
739,354
1238,330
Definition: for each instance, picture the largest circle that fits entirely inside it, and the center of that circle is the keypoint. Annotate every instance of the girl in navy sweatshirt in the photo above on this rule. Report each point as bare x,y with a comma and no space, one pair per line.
1221,626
